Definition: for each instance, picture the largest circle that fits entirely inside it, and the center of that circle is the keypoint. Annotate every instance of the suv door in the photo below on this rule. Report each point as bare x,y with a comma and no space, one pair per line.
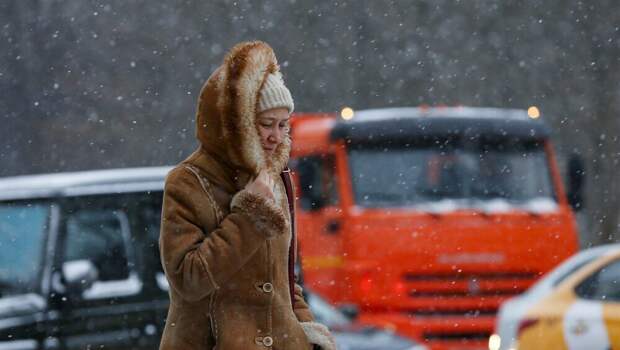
109,313
146,210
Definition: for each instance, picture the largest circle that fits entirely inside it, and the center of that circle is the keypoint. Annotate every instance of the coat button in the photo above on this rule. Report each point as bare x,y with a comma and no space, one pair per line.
267,287
268,341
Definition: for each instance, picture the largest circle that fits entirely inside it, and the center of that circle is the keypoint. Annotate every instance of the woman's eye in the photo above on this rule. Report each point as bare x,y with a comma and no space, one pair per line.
266,125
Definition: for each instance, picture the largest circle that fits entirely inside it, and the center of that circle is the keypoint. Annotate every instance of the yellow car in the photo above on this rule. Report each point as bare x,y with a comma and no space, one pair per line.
583,311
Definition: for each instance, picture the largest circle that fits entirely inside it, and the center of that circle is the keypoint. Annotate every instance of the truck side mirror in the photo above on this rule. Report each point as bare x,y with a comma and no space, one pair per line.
576,176
79,275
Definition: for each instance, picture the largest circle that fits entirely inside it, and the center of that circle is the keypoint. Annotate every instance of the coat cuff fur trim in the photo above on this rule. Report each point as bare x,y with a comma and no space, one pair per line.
318,334
267,217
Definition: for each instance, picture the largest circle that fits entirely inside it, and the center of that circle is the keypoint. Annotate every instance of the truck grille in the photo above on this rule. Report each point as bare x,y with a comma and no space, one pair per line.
464,293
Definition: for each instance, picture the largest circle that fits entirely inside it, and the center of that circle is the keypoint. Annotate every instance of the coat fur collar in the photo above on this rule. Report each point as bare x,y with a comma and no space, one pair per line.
226,116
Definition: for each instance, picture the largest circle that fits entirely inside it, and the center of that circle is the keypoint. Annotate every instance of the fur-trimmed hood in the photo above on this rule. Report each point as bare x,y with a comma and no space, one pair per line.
226,117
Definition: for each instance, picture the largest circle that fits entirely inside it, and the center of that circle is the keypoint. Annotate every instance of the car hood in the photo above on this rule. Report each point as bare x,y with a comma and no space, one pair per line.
358,337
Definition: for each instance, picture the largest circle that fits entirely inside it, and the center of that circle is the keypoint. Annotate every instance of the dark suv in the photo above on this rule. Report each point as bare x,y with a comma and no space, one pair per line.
79,261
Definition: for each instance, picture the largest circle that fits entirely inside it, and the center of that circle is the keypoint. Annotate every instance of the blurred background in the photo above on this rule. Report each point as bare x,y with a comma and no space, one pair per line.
107,84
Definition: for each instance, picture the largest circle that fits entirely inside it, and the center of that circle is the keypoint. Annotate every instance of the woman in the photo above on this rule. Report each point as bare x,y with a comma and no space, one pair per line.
226,237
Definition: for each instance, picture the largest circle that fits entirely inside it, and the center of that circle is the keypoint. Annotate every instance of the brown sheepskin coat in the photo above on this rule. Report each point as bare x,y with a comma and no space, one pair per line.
225,250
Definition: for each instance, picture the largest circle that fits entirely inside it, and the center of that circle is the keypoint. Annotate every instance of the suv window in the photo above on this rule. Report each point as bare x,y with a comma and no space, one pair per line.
604,284
102,236
317,181
97,235
151,217
23,232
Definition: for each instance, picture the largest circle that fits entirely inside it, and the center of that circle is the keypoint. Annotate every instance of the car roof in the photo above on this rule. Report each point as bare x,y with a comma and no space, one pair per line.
366,115
83,183
569,266
410,123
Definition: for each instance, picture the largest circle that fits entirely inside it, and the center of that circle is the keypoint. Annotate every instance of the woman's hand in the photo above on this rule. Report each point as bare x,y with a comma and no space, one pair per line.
262,186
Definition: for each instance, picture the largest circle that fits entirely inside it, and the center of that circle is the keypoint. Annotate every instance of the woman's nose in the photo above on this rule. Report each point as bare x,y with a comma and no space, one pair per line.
276,136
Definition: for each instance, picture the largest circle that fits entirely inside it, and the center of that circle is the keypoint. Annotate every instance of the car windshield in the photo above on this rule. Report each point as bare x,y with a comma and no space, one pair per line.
568,267
450,175
22,235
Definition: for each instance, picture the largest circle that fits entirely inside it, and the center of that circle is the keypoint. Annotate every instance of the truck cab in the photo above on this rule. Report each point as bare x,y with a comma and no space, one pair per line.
427,219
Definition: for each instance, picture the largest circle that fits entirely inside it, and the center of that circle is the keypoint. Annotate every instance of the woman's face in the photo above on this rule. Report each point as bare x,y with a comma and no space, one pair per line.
273,127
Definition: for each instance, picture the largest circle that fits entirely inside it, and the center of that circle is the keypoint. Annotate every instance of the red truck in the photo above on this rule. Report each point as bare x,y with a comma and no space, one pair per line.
427,219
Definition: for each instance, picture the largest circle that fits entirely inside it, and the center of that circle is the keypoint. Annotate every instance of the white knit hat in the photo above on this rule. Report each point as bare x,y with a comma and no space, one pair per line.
274,94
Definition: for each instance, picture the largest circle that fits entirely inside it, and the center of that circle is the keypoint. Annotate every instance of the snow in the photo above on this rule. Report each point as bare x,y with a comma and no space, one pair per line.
385,114
24,344
21,303
111,289
493,206
541,205
89,182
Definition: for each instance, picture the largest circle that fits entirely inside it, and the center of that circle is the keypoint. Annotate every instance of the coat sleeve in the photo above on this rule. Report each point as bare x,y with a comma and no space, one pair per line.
196,262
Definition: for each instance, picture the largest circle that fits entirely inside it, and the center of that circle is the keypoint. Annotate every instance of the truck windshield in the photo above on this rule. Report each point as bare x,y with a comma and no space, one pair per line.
23,230
448,176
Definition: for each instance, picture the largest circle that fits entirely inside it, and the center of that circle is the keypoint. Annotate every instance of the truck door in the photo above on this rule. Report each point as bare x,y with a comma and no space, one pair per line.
320,223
